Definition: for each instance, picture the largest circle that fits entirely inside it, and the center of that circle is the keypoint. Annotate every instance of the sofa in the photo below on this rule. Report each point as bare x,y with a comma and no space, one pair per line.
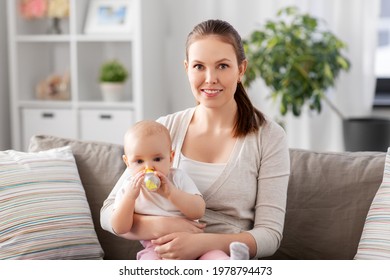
329,196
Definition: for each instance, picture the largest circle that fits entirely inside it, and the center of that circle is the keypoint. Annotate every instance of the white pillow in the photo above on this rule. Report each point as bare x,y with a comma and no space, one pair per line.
44,211
375,241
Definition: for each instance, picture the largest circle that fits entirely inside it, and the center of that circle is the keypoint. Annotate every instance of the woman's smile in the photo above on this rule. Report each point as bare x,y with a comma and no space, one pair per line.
211,92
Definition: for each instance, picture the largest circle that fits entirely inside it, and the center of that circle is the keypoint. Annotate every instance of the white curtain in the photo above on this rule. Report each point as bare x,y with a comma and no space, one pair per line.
353,21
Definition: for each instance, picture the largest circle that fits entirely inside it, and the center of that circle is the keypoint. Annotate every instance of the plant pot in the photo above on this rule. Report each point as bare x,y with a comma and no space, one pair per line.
366,134
112,92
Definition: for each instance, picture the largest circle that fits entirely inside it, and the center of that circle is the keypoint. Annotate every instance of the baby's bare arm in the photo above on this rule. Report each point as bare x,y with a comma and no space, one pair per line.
123,214
191,205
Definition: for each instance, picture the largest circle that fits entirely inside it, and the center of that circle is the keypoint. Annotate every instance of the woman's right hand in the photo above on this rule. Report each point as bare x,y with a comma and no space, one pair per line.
152,227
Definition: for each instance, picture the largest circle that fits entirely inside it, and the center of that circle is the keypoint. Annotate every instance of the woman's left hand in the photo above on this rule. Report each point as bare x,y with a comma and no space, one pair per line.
179,246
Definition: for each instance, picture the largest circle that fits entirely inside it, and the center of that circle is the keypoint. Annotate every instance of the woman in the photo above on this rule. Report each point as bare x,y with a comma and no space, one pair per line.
237,157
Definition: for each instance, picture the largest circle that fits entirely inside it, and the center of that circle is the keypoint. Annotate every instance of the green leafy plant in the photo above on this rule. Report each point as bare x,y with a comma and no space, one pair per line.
113,71
296,58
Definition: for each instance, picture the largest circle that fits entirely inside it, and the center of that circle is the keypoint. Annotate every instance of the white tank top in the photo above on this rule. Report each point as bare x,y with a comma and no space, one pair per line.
202,173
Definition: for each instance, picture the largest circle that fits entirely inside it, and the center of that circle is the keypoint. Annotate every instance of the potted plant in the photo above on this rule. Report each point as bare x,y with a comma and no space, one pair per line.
299,61
296,59
113,76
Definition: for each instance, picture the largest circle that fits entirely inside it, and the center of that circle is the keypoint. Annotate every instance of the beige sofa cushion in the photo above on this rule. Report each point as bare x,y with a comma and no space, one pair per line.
328,199
99,165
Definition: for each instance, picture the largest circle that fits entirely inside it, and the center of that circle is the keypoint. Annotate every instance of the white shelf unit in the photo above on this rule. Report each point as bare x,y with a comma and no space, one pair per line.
34,55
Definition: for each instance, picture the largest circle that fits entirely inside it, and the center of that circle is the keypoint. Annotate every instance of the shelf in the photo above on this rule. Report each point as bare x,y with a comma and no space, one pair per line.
105,38
42,38
105,105
45,104
80,105
68,38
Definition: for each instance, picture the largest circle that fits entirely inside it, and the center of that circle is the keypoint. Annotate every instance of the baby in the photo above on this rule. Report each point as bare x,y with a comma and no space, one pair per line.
148,147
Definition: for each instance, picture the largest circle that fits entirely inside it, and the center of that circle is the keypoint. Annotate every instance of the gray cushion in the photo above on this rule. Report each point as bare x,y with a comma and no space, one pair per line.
328,199
100,166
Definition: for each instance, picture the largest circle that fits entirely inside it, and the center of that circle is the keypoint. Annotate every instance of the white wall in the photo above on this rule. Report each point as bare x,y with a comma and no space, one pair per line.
181,16
5,134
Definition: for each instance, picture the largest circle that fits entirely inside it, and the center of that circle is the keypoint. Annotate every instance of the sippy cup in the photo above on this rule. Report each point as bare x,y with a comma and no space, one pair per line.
152,182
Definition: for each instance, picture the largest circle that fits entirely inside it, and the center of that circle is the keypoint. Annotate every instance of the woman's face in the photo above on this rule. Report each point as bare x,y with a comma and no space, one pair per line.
213,71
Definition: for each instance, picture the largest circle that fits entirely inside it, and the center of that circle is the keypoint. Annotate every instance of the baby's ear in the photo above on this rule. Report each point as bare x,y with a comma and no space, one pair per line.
124,158
172,156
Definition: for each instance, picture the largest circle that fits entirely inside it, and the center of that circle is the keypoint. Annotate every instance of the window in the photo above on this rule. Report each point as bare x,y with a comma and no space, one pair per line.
382,65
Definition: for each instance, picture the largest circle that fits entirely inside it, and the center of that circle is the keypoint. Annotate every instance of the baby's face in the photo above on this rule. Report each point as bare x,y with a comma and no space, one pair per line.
152,152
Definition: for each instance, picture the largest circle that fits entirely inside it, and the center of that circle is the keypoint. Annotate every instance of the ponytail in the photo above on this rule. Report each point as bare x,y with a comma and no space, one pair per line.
248,118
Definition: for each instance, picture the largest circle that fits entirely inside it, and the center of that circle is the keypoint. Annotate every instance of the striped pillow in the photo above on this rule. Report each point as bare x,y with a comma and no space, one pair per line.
44,211
375,241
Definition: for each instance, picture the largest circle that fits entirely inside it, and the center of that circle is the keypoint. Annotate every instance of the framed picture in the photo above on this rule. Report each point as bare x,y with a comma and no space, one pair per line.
109,16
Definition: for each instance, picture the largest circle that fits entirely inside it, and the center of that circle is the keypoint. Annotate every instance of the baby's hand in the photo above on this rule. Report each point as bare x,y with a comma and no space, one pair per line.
135,184
166,185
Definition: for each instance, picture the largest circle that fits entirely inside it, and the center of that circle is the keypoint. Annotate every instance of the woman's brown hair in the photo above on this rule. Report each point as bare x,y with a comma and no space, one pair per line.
248,118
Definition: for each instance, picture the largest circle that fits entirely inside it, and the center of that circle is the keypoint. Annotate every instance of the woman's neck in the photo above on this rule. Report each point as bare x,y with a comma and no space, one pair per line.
216,119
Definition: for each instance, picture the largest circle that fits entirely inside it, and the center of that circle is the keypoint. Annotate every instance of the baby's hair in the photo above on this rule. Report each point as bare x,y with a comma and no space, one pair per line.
146,128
